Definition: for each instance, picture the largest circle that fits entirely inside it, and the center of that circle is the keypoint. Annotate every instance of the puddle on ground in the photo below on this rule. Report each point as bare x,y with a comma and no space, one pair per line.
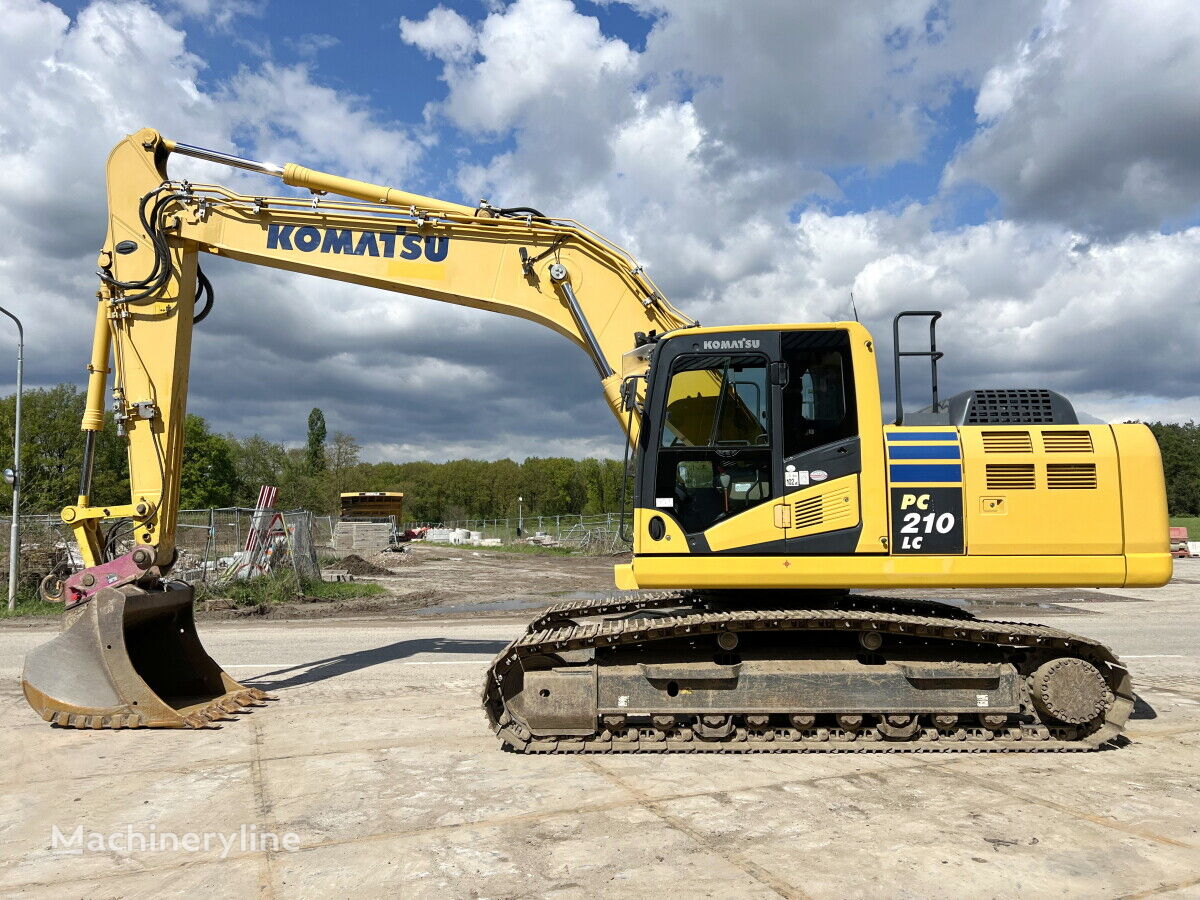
514,604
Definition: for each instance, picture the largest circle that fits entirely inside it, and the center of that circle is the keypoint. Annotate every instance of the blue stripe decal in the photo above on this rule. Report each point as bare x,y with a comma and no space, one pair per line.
942,452
925,474
923,436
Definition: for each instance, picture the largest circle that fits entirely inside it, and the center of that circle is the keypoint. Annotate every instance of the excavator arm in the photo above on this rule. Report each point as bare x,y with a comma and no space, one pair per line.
129,654
517,262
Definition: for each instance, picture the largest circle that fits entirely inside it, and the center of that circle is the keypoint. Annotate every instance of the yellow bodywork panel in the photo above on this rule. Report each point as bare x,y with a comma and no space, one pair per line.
673,540
813,510
825,507
1041,490
754,526
872,480
1143,506
871,571
1144,493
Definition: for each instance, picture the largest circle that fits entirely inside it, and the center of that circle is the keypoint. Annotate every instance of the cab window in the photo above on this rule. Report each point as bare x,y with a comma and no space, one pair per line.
818,400
717,402
715,450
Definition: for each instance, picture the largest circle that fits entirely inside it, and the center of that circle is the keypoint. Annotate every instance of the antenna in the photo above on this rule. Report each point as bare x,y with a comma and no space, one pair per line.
853,307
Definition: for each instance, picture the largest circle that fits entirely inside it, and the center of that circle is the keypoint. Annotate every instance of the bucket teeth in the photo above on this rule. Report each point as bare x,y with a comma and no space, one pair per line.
82,720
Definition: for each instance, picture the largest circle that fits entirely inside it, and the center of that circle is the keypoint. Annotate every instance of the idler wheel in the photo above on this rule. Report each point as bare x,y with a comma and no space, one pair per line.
1069,690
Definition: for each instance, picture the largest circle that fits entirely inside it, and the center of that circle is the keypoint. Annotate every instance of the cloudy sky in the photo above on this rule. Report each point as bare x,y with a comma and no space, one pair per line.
1031,168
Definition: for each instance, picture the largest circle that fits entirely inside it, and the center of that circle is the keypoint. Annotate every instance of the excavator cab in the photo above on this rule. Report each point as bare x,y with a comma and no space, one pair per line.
738,421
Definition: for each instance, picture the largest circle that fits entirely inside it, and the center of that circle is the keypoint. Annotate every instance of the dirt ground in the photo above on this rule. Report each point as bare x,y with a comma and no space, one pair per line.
432,580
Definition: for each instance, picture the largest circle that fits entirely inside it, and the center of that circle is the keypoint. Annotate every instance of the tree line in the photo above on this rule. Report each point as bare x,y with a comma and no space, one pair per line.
223,470
1180,448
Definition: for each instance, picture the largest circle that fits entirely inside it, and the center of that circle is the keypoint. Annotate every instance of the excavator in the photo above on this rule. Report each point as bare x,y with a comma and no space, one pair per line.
768,499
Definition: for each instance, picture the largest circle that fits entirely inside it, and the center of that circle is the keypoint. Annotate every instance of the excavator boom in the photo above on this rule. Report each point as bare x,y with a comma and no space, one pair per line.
516,262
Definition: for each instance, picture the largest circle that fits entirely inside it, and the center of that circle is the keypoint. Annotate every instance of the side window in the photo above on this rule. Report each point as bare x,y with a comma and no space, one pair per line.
818,401
714,459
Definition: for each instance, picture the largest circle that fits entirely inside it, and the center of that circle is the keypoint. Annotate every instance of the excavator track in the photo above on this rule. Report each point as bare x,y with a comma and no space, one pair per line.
568,611
1057,671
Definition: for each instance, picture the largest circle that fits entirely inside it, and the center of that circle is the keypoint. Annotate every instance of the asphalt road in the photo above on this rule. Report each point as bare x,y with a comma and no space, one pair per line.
376,774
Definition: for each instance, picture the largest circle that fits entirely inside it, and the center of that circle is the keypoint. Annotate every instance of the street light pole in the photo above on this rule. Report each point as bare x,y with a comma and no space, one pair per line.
14,475
519,499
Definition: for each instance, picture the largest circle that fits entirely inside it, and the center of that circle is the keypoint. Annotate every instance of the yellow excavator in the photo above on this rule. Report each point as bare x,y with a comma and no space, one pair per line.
765,486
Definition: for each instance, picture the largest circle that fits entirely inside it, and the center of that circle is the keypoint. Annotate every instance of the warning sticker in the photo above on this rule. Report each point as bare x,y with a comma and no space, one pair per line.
794,478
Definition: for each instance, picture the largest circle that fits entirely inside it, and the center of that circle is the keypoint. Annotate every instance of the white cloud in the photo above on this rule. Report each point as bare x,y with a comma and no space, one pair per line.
831,84
536,58
1093,121
290,117
442,33
1026,306
214,15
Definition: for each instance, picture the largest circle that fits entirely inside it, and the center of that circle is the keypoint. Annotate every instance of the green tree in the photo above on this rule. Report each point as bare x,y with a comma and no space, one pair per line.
1180,447
208,476
341,457
299,488
315,448
52,451
257,462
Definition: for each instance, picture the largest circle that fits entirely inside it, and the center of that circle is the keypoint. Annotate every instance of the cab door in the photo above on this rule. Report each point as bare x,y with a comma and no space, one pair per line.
820,443
712,463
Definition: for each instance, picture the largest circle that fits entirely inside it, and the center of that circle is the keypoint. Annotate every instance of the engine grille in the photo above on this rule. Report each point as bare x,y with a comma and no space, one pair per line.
1007,442
1067,441
1010,407
1071,476
1011,477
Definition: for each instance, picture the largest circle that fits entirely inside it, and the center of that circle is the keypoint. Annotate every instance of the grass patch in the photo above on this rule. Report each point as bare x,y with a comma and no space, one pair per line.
286,587
1191,523
279,587
526,549
29,604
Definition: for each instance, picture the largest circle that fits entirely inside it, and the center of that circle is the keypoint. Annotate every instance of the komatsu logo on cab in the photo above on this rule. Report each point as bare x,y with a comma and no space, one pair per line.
398,244
739,344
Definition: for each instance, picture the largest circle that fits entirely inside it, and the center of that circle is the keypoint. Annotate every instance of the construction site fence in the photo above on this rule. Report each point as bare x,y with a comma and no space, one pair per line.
595,533
204,538
208,538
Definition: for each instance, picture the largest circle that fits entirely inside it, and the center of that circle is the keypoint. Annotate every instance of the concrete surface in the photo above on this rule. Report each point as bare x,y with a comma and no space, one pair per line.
377,761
